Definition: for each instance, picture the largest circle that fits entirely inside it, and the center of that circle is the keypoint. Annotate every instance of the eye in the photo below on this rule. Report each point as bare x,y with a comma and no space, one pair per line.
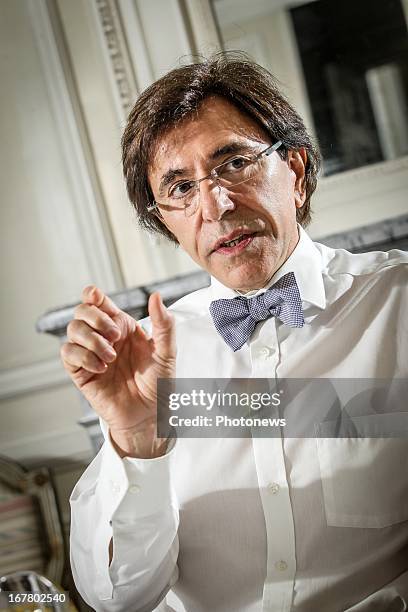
235,164
181,190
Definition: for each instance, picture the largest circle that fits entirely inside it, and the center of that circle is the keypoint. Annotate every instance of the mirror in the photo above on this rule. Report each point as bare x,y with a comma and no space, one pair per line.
343,65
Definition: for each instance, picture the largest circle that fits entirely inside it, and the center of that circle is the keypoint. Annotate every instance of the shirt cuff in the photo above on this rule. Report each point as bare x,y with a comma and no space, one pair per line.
133,488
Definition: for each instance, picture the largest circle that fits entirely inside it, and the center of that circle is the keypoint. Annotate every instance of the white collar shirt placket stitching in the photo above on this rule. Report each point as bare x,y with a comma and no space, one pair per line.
266,352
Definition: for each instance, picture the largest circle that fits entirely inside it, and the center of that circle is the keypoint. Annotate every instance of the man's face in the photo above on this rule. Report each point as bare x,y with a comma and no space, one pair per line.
263,209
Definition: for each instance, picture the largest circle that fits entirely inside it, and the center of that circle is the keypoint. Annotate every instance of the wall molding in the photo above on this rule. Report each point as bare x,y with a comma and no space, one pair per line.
204,27
370,235
372,171
117,55
58,445
372,193
91,224
87,201
109,17
36,376
136,43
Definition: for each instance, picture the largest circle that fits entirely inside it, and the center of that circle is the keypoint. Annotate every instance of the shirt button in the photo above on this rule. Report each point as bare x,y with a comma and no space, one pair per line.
273,488
134,488
281,565
266,352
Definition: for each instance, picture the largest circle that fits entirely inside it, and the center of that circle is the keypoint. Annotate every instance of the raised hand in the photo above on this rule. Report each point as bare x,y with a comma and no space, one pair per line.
116,365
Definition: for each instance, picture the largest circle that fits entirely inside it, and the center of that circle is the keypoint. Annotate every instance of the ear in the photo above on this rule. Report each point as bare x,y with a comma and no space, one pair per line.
297,163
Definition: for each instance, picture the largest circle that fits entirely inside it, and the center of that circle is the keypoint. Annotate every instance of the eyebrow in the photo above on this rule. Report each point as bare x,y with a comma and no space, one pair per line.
232,147
235,146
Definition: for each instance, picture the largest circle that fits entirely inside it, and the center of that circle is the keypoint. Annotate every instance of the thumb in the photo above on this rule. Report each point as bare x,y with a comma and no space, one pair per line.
163,333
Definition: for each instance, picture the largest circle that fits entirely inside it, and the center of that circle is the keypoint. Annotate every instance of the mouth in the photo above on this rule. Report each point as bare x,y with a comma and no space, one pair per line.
235,242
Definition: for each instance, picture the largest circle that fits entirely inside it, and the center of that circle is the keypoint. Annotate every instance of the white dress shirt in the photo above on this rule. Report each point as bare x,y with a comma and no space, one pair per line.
263,524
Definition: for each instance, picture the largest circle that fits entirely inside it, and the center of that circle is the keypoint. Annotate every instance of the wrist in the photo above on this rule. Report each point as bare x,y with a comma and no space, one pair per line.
137,443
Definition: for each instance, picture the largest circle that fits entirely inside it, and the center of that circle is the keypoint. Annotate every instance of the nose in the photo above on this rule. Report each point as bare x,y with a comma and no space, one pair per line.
214,201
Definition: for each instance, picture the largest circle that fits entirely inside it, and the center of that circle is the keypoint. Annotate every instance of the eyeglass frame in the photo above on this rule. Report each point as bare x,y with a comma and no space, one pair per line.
213,175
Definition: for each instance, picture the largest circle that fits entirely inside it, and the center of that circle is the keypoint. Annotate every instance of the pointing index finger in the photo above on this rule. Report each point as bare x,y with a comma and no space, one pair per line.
96,297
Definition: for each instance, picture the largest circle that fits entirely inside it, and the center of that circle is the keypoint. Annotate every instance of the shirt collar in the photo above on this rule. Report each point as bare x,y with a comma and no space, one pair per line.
305,262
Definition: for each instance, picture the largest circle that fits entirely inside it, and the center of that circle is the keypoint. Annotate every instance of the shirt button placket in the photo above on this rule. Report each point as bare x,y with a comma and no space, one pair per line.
264,353
281,563
115,486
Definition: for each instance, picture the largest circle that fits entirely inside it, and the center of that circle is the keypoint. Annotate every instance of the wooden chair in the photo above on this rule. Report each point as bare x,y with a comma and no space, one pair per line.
30,528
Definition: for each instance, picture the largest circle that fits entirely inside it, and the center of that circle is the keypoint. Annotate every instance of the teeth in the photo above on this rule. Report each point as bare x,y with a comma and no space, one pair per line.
232,243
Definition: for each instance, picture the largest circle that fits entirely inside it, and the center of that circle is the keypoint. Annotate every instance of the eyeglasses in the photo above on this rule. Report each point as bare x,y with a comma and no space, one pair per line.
185,195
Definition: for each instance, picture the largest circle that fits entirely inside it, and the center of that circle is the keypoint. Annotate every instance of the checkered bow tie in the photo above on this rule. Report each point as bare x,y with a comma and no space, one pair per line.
235,319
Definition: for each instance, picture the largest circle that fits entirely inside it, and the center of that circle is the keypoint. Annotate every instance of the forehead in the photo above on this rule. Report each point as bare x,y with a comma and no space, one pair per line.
216,121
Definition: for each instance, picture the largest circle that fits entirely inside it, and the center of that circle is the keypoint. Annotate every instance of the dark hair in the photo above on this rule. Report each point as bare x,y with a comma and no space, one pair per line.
179,93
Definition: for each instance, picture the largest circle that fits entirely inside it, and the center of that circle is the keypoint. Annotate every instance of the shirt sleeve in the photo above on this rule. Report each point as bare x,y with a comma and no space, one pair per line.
132,501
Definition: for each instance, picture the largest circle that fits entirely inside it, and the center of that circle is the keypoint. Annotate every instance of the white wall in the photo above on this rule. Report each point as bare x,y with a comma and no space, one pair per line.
46,253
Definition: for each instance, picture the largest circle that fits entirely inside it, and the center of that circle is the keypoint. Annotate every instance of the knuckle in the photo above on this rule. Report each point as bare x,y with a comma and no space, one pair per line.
107,324
73,326
102,345
78,310
89,359
168,326
64,350
111,330
69,329
100,317
95,342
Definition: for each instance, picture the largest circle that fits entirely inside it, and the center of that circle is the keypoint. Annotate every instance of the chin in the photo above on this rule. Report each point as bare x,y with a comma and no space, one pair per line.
247,282
252,277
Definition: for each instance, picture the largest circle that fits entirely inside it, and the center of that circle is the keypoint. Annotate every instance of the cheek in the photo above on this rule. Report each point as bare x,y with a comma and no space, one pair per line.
176,229
265,191
188,238
277,195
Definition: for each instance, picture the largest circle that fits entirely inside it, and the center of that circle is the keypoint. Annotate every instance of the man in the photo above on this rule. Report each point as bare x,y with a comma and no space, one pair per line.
217,160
